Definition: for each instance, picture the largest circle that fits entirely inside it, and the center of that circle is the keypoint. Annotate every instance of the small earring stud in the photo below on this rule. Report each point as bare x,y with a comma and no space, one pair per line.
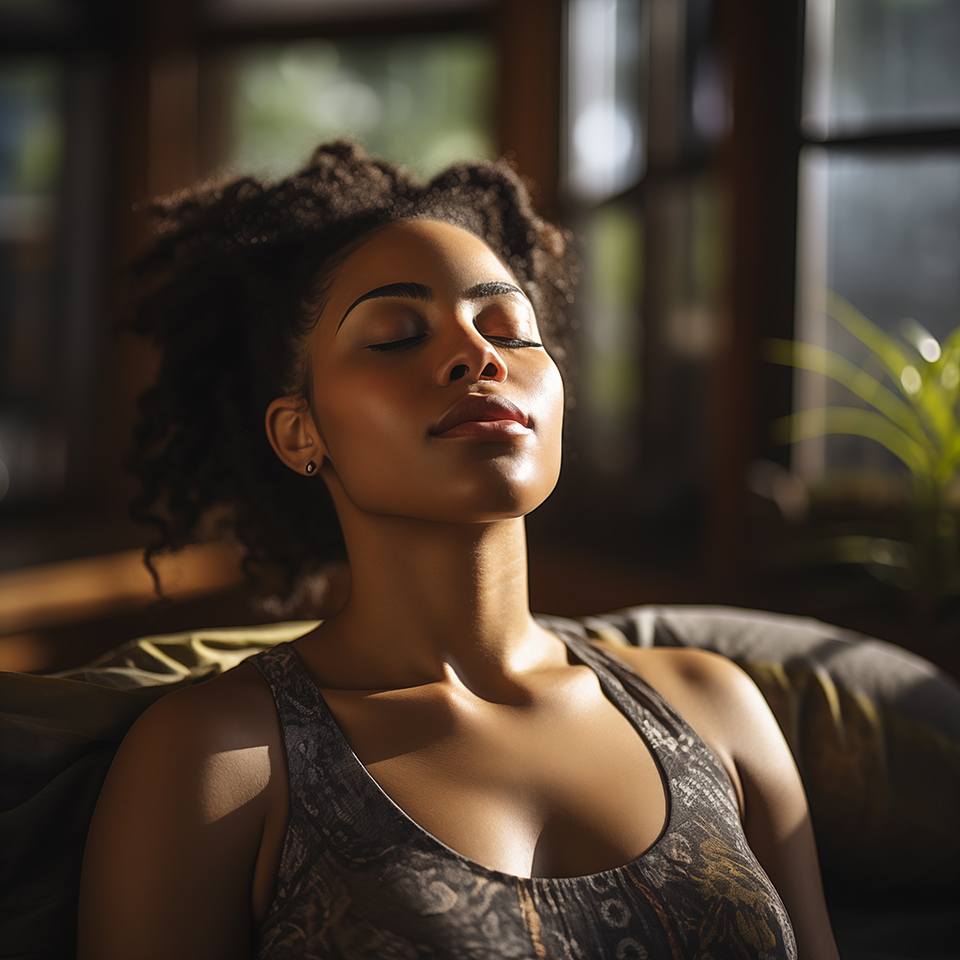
311,467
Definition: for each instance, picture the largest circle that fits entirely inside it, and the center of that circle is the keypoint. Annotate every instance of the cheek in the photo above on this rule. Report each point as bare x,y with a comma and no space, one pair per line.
360,416
550,400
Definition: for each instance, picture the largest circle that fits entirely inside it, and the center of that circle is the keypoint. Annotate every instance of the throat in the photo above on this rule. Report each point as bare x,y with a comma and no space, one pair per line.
459,591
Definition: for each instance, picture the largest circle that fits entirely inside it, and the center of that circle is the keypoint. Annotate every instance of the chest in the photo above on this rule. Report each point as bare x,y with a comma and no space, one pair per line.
562,785
563,790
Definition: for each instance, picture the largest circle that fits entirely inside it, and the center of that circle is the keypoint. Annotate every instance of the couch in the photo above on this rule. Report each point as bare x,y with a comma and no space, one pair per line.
875,732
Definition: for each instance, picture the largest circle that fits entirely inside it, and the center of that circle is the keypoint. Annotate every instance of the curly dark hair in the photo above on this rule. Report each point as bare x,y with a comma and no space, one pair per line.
237,270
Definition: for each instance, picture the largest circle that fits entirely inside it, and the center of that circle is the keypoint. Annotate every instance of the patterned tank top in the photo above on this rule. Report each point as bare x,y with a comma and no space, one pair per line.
359,879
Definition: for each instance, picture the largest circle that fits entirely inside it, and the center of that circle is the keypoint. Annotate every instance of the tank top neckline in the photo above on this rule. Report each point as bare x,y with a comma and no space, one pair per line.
613,689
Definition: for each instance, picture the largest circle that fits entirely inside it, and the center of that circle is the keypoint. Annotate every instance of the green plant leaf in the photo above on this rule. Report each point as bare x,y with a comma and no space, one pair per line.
820,421
888,350
809,356
928,400
951,343
950,462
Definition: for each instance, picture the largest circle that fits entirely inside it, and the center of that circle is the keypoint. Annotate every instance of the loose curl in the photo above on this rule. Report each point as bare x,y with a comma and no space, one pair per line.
239,271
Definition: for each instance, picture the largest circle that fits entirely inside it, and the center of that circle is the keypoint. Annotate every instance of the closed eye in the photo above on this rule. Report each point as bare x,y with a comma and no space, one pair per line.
396,344
512,342
506,342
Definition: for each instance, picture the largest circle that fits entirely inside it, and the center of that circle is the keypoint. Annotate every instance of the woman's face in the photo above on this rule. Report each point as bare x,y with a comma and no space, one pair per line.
432,395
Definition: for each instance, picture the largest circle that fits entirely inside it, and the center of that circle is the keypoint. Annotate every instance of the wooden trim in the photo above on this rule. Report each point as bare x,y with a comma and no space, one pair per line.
58,593
528,36
760,171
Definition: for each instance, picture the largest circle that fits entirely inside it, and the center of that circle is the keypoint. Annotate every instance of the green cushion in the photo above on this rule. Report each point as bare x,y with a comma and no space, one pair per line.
59,736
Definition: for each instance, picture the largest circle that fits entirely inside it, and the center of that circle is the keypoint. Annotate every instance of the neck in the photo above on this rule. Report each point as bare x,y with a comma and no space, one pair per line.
431,601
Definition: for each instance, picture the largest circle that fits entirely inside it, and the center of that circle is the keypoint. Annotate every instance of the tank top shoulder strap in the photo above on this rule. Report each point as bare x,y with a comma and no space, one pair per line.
314,745
293,690
619,681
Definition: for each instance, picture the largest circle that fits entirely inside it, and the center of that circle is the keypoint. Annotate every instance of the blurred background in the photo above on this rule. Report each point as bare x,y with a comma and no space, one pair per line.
743,175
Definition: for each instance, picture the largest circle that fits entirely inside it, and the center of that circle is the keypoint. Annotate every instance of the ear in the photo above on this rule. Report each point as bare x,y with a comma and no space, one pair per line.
293,433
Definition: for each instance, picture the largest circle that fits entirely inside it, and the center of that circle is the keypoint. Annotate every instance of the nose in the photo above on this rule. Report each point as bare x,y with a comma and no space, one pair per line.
472,357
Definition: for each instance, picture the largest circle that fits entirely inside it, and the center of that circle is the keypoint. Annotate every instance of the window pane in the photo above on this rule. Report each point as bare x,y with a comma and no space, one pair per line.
706,95
609,339
684,278
605,148
645,87
424,102
648,331
883,232
881,63
32,447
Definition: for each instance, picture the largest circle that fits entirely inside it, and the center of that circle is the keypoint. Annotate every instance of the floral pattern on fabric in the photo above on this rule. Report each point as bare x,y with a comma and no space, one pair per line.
359,879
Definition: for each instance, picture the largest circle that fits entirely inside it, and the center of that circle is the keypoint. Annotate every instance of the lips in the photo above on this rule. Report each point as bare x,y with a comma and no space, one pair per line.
474,408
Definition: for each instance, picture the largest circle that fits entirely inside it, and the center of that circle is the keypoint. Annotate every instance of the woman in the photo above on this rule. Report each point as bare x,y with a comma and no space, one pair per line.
430,772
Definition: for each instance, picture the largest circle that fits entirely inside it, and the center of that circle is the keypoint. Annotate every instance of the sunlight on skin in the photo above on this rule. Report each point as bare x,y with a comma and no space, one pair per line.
232,779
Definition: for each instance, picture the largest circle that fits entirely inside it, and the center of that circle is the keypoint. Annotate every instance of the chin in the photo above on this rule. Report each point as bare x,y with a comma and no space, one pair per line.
484,505
469,496
489,505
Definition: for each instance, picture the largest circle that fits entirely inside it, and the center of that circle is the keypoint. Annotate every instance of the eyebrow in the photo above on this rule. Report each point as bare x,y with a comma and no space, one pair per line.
417,291
493,288
412,291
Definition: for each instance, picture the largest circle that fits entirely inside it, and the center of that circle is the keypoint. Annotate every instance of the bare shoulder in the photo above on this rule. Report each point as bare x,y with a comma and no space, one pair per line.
219,739
693,680
217,713
213,742
179,824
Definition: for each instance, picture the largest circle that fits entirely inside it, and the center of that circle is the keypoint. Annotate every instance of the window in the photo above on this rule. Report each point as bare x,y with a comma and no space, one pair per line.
866,530
881,228
646,108
32,431
879,194
424,101
881,66
53,148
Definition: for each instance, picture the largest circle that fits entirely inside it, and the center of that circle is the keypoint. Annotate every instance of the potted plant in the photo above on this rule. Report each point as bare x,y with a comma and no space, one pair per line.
906,398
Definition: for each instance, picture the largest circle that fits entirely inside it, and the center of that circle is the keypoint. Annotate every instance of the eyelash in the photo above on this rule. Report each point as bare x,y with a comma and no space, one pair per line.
395,344
508,342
